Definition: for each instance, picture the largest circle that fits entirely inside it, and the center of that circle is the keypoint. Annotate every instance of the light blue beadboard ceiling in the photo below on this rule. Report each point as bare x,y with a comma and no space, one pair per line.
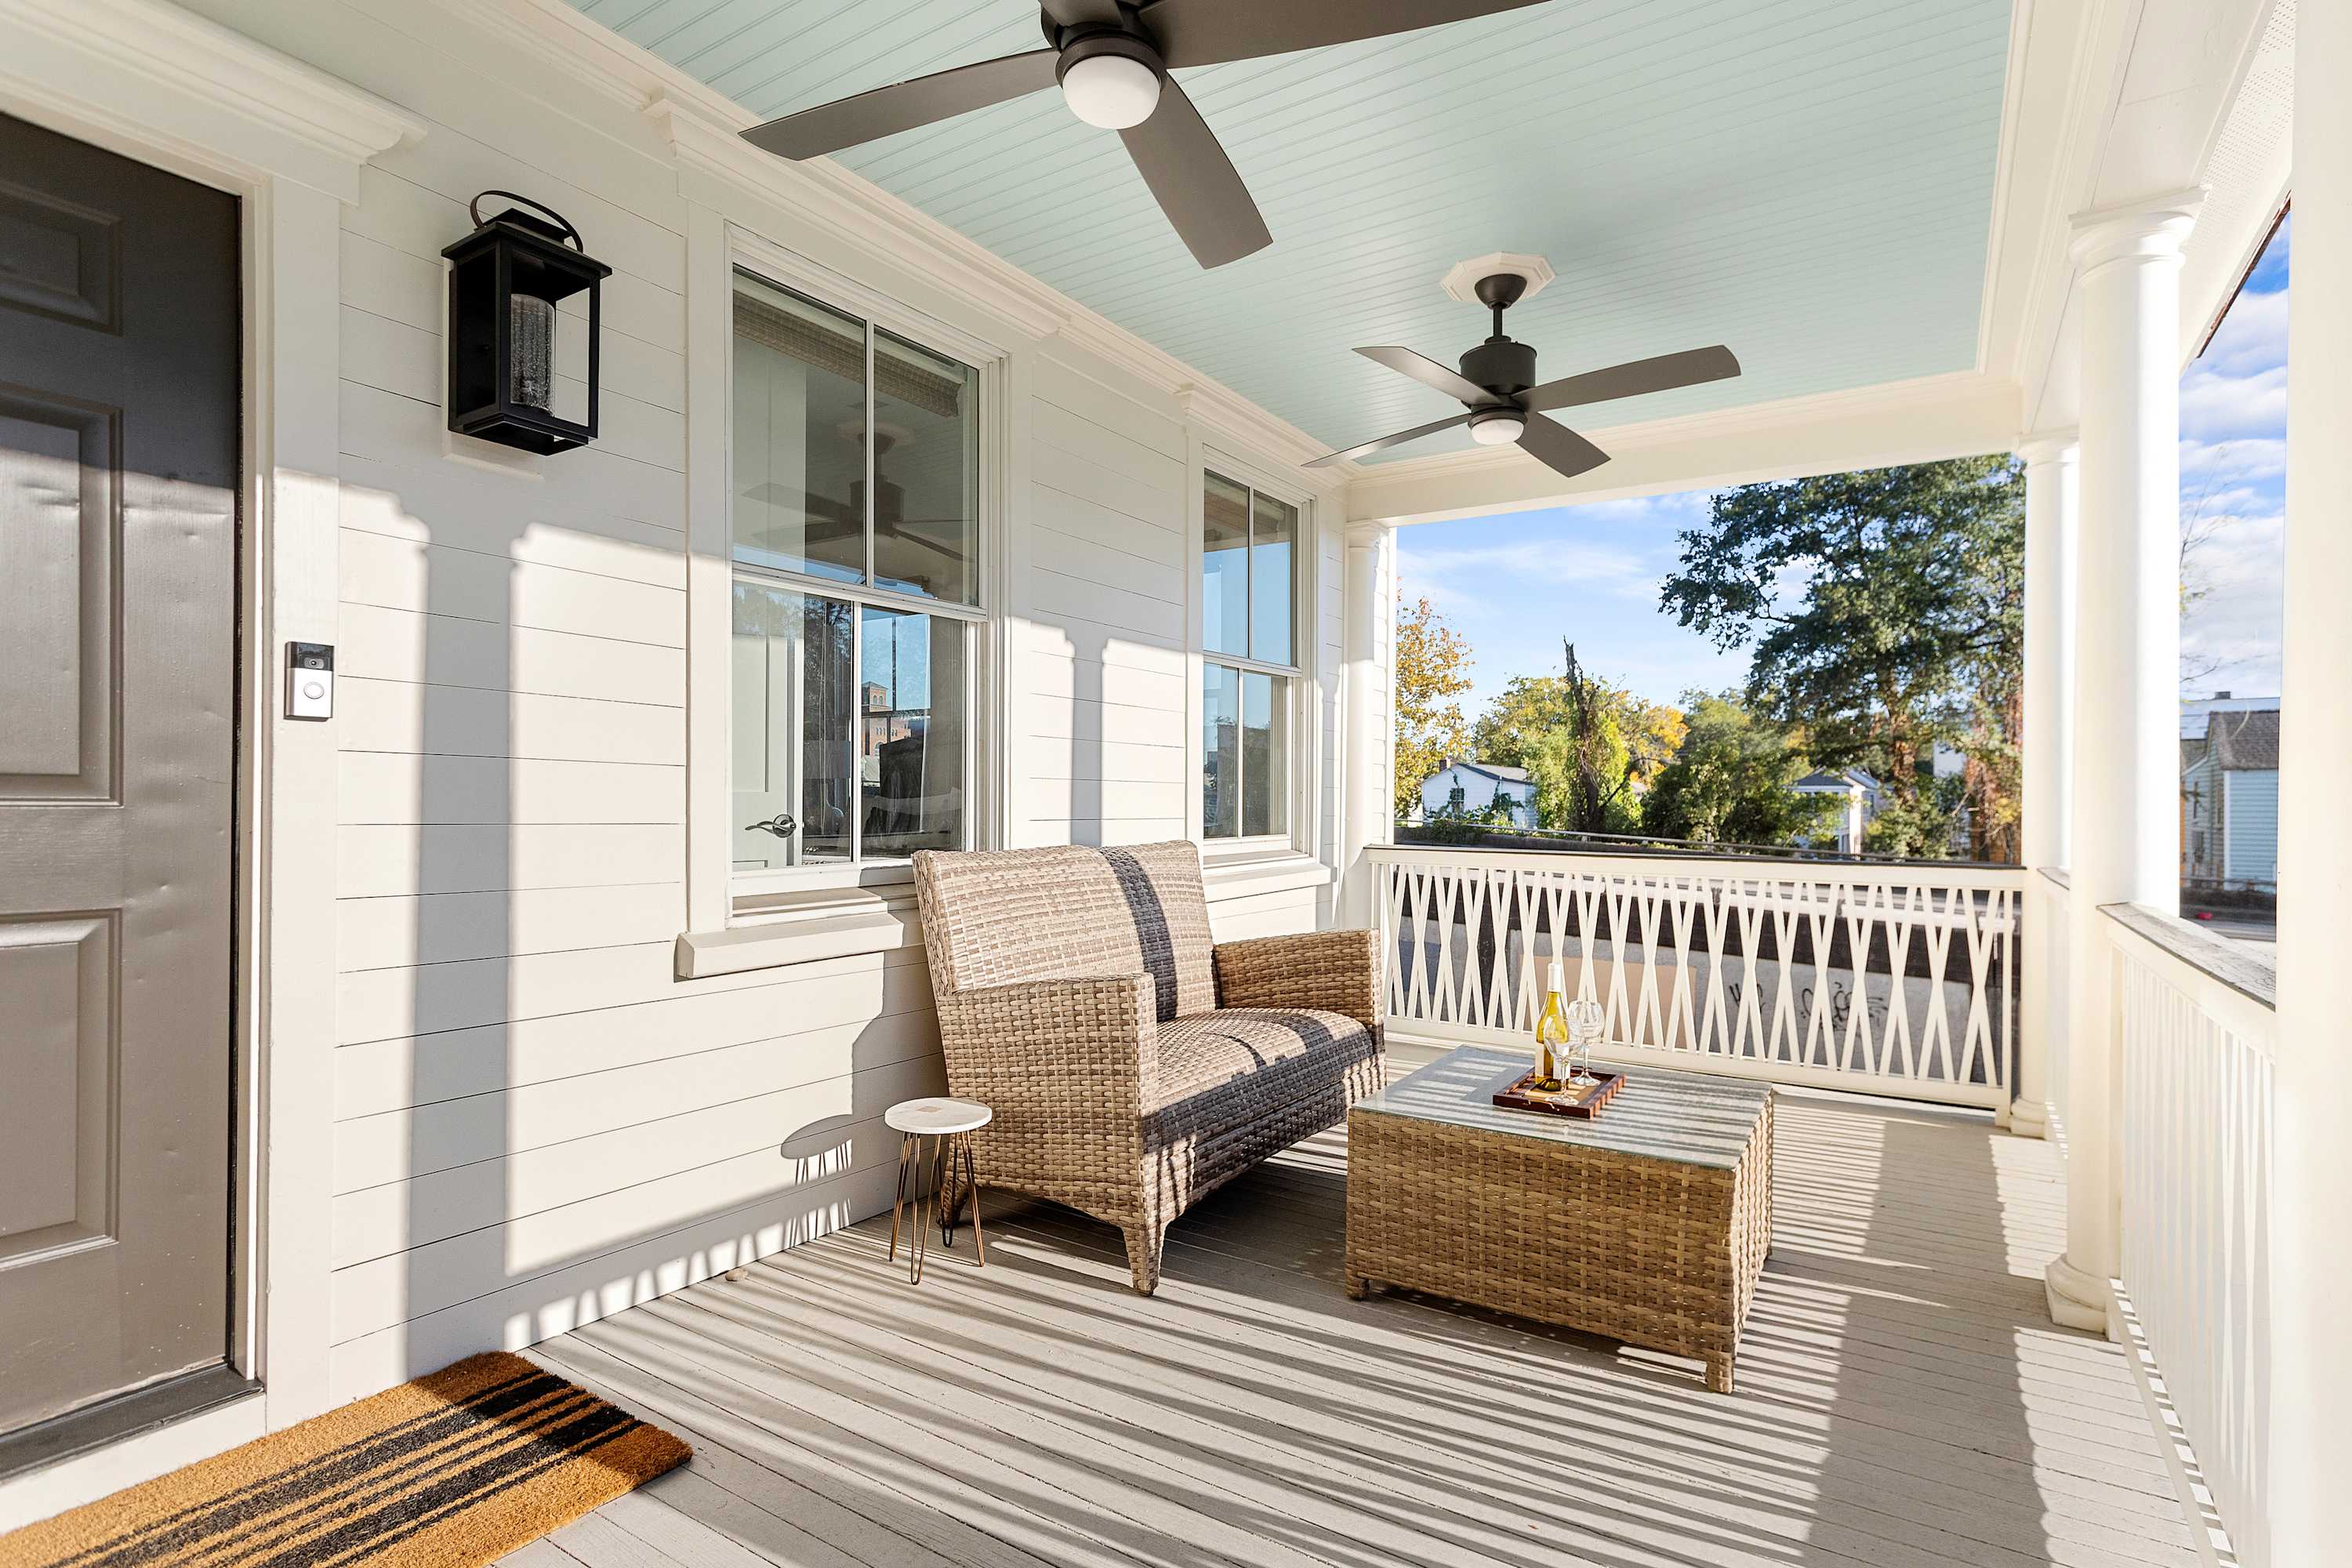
1808,181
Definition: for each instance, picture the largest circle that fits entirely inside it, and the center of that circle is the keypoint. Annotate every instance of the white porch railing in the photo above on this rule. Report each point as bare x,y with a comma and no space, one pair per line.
2196,1142
1895,979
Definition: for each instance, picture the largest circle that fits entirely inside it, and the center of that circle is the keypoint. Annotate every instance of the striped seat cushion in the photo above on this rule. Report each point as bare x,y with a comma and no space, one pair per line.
1227,1068
1001,917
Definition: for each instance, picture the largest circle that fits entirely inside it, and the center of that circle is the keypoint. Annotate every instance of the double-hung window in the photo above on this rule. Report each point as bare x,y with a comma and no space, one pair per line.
1249,587
856,477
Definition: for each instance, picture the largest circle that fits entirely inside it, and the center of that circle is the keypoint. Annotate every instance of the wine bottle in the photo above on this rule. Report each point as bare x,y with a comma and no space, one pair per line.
1551,1031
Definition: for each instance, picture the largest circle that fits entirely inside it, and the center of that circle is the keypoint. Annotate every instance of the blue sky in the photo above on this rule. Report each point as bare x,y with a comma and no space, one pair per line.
1515,586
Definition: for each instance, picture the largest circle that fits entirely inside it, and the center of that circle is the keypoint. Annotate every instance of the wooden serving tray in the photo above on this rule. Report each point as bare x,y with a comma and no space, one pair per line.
1523,1095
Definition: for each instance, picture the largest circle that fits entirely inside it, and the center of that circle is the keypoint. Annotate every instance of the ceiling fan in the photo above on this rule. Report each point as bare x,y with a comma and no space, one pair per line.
1111,59
1496,386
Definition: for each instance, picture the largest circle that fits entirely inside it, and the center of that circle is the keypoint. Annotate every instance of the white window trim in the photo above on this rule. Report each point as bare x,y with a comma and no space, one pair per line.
1306,760
724,911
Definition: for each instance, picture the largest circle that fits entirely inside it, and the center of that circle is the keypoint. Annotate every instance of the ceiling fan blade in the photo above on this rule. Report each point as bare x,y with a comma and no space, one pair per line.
1429,373
1635,377
1208,32
1399,439
1558,447
887,110
1194,182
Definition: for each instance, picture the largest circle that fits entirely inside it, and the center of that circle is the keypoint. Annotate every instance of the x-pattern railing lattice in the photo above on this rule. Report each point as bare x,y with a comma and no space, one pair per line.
1891,979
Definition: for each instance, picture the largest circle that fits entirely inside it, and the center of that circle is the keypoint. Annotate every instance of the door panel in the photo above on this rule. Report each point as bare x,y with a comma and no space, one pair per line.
119,410
57,602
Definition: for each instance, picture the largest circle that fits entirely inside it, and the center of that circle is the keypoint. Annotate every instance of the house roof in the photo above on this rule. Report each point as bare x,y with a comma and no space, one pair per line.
2198,712
1497,770
2243,740
1839,779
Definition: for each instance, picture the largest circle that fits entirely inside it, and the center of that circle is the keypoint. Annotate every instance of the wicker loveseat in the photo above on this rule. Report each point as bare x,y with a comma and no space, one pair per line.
1133,1064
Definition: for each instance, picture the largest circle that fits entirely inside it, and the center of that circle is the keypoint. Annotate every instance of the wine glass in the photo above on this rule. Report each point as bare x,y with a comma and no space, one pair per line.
1586,1019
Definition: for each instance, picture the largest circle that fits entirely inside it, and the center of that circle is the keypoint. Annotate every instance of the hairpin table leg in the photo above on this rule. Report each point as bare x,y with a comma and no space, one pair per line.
906,1143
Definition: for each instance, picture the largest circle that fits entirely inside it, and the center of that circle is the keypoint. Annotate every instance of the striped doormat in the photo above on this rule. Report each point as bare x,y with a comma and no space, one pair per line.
449,1471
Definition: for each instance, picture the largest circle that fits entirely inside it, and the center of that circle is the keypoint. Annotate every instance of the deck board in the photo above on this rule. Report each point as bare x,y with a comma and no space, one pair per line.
1904,1400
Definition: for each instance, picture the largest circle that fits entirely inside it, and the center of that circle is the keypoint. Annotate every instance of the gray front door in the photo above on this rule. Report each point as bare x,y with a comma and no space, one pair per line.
119,408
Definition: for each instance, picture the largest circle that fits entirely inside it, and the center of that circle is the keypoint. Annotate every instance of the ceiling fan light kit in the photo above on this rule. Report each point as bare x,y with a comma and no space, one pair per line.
1111,59
1496,383
1110,80
1498,426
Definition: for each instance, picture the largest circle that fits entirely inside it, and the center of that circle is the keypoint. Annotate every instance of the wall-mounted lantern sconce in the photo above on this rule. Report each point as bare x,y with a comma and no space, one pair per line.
505,279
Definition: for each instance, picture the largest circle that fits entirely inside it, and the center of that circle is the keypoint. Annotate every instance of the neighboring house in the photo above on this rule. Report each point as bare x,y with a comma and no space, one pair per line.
2229,793
1858,795
1480,784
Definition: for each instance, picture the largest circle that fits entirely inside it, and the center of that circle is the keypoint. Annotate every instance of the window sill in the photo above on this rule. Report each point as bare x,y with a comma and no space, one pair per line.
803,927
1250,870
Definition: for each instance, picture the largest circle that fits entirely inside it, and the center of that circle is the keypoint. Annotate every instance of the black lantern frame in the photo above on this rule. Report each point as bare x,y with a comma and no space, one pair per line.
516,255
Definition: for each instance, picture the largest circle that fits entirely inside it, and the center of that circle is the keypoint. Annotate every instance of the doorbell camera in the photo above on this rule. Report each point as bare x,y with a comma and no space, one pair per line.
309,680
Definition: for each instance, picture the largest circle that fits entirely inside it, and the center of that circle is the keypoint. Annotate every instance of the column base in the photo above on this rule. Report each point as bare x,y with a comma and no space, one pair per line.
2030,1119
2081,1301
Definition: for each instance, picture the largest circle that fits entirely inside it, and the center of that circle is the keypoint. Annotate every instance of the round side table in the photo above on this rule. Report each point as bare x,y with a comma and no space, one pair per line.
948,1125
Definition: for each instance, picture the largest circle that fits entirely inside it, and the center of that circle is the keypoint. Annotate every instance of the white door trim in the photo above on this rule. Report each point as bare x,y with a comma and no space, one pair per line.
150,81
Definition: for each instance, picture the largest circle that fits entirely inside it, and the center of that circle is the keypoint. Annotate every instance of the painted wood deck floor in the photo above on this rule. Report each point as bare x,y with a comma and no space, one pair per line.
1904,1400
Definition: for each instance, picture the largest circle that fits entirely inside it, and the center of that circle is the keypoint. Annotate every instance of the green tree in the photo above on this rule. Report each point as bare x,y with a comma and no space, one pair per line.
1883,611
1586,744
1432,671
1732,780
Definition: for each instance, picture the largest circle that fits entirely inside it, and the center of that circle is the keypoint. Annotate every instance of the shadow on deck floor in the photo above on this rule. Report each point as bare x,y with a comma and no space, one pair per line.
1902,1399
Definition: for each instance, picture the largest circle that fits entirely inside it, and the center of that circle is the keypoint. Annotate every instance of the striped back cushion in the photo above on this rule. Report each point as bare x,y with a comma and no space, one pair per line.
994,917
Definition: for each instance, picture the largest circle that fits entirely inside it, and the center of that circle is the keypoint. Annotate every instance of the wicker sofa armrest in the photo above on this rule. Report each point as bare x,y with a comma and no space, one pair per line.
1088,1043
1334,971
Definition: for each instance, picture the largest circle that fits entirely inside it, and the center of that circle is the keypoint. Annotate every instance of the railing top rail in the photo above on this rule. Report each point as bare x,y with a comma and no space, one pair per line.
1675,867
2221,975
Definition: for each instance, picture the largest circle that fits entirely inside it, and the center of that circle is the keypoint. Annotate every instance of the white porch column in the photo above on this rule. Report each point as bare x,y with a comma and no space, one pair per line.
2311,1268
2046,758
1368,748
2123,842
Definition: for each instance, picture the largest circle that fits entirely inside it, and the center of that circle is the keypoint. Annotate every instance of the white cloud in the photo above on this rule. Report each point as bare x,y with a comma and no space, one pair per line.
2232,629
2240,460
2214,406
2252,336
1460,577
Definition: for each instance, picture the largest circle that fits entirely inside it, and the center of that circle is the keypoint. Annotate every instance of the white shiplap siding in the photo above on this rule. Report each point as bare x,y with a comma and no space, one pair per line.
1100,738
536,1123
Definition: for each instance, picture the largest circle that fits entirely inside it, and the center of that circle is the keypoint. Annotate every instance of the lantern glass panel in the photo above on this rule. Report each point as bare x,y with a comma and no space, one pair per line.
800,435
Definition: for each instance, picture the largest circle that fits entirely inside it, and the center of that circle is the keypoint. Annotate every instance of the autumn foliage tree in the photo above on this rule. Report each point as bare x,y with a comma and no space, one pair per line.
1432,671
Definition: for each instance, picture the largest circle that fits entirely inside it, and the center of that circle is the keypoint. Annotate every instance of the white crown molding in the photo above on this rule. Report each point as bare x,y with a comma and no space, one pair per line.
704,130
198,83
1219,412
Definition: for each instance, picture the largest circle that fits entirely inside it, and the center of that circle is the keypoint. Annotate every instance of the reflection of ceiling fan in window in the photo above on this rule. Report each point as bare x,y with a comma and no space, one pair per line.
830,520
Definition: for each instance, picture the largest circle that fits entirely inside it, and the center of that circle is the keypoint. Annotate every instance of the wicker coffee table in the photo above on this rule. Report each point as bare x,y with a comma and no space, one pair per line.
1648,1224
